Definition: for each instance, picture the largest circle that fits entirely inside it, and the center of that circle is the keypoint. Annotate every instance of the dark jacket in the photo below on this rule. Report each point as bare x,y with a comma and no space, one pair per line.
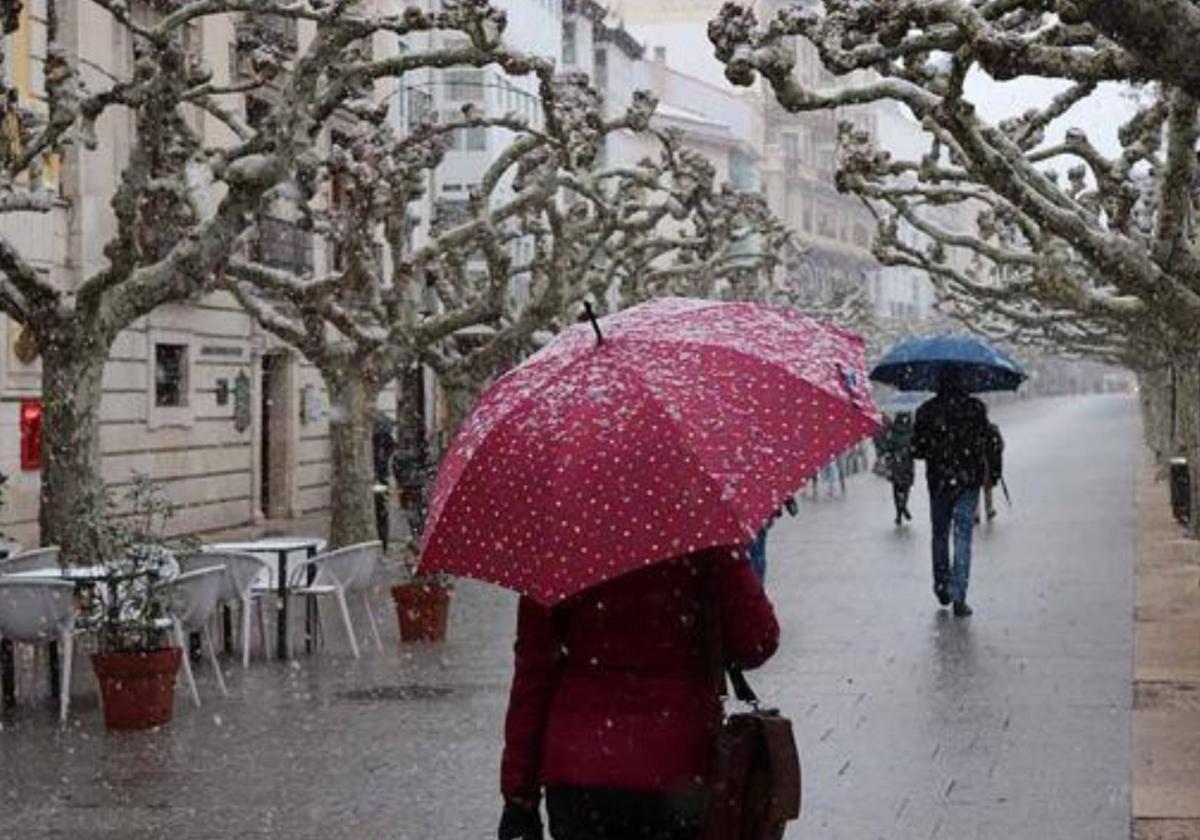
951,437
615,688
898,449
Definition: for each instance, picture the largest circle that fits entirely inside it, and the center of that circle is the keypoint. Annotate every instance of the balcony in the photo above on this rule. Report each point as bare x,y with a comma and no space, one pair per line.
281,244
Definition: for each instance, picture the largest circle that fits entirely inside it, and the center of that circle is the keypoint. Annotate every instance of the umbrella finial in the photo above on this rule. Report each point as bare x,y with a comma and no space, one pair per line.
591,316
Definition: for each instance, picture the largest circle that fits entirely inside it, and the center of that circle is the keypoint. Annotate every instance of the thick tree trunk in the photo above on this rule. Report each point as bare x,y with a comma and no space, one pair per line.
352,396
72,377
412,446
1187,427
461,391
1155,390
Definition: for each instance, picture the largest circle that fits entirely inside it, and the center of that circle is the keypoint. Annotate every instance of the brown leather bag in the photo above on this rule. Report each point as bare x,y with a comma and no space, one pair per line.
753,787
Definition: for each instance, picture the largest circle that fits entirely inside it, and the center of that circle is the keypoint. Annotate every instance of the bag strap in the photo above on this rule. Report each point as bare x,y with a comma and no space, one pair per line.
741,687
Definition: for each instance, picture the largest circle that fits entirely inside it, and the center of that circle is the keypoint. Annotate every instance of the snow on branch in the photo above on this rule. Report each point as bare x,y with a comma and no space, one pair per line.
1111,241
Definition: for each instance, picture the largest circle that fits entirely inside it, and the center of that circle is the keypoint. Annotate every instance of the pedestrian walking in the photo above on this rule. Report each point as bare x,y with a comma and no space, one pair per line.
950,435
879,441
594,502
898,450
615,701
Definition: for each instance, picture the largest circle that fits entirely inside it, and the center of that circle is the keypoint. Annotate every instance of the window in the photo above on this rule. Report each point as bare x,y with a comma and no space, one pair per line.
464,85
170,375
282,244
600,59
419,107
257,109
568,42
476,139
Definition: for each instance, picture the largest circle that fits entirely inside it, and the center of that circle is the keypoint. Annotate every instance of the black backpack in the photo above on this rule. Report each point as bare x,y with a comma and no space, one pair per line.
993,452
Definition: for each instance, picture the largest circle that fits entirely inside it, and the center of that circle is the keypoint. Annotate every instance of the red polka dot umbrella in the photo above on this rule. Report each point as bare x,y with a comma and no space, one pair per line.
685,427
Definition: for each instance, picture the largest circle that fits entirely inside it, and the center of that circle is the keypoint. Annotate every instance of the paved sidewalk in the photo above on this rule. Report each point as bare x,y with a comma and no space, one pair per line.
1012,725
1166,716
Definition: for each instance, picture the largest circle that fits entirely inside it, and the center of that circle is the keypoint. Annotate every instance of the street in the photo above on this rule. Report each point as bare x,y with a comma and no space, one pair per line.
1011,724
1014,723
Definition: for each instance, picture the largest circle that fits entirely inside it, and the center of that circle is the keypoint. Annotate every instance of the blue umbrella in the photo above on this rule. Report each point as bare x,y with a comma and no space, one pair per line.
917,365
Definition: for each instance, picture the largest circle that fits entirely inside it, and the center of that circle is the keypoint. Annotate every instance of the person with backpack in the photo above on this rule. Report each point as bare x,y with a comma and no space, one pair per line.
899,454
950,436
994,474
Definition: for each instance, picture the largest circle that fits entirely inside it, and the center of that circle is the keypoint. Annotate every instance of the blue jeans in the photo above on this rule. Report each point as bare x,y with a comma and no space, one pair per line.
957,508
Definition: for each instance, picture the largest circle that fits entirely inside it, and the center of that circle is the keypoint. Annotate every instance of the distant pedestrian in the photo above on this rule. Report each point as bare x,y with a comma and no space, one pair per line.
614,707
757,553
879,441
843,469
950,436
383,448
898,450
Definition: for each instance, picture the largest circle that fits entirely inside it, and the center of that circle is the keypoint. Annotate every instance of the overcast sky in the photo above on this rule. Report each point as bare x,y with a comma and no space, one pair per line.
1100,115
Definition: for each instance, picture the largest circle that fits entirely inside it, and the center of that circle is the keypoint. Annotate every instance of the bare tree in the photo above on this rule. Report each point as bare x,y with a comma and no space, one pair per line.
1072,247
582,227
185,197
369,316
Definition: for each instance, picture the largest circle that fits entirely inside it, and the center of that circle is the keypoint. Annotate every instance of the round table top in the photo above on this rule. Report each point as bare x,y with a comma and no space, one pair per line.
271,544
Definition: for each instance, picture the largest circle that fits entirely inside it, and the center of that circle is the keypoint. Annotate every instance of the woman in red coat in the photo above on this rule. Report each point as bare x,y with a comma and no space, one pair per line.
614,706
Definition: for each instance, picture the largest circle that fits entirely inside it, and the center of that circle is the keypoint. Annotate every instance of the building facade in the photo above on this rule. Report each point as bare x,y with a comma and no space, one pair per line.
233,423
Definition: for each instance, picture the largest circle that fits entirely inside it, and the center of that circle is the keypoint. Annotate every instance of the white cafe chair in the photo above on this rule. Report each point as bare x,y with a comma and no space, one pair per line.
243,573
337,573
191,602
39,610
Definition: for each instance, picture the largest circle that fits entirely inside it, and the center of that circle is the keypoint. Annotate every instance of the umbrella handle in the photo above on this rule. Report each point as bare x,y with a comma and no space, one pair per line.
591,314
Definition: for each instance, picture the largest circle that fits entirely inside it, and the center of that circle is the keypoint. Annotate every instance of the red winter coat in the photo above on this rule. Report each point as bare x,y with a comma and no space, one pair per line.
614,688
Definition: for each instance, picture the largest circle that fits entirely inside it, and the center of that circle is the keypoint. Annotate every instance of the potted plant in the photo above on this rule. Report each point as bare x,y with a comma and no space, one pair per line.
135,663
422,601
422,605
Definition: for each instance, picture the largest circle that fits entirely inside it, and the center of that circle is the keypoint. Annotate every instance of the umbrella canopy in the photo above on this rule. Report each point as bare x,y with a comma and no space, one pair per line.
686,428
917,365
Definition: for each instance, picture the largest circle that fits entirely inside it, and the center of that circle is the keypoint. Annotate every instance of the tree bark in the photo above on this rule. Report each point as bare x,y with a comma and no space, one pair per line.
1154,387
352,397
461,391
72,380
1187,428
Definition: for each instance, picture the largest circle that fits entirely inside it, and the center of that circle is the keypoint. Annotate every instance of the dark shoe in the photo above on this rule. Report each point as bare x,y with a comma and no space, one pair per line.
942,594
907,515
991,514
962,609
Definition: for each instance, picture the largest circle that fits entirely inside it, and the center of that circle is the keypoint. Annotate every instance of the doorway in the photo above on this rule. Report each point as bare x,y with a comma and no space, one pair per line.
275,441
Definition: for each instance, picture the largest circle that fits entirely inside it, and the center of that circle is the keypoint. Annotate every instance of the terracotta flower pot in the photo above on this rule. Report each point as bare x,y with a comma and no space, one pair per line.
422,609
138,688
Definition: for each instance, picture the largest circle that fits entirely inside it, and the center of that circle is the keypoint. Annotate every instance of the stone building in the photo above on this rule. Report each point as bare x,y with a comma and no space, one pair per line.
233,423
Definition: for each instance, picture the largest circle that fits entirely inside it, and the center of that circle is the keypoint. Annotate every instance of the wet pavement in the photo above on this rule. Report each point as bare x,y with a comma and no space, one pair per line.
912,724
